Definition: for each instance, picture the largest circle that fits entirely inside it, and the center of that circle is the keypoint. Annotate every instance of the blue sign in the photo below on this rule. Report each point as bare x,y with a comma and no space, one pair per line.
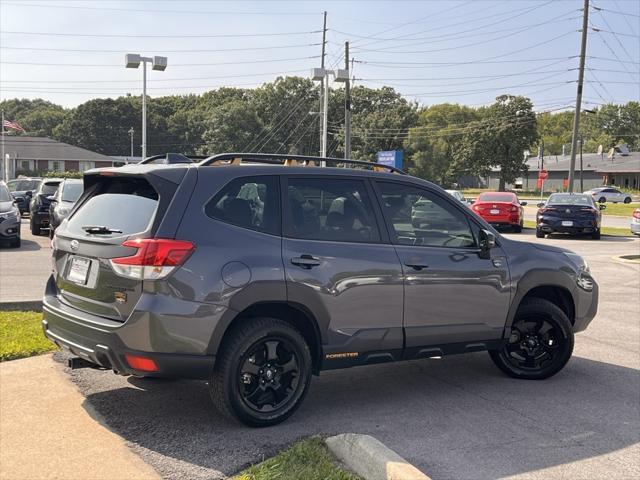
391,158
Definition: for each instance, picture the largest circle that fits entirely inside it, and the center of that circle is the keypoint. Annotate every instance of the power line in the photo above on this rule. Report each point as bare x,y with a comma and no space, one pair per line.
617,12
613,52
452,64
145,10
135,35
242,62
243,49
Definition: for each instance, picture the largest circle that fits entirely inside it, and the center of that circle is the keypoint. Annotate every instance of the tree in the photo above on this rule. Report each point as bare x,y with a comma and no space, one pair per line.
499,139
432,144
230,127
38,117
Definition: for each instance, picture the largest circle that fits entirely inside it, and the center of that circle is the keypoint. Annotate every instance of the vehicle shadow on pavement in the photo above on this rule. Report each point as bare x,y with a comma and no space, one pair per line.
453,418
29,245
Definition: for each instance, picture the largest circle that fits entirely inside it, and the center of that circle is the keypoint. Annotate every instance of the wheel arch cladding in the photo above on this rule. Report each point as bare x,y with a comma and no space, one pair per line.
296,315
554,286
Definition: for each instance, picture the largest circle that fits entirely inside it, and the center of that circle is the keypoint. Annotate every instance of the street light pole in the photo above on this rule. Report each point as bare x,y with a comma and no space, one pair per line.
133,60
130,132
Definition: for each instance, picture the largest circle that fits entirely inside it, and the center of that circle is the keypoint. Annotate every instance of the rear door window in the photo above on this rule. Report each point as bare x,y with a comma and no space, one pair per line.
248,202
336,210
125,204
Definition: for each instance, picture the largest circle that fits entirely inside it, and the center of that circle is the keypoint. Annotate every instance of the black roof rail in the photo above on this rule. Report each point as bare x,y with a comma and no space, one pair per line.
290,160
172,158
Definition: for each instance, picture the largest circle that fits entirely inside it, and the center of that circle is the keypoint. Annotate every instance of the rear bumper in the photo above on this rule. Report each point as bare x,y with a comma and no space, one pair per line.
106,342
578,227
502,220
40,219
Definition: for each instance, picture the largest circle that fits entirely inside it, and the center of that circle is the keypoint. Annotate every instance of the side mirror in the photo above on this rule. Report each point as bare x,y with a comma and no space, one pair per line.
523,203
487,242
540,204
602,206
29,193
471,202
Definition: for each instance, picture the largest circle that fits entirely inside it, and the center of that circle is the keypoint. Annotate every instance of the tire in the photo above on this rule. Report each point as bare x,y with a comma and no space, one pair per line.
540,362
539,233
627,200
247,347
596,235
602,200
15,243
517,228
35,230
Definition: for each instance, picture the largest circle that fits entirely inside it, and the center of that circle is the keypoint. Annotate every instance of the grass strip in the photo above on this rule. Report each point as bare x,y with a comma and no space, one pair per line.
21,335
307,459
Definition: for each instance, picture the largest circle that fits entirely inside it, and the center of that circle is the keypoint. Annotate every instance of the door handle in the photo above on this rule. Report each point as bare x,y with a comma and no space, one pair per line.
416,266
306,261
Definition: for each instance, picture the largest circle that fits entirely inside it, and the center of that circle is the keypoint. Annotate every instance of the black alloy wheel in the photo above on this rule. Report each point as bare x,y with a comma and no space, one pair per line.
262,372
540,344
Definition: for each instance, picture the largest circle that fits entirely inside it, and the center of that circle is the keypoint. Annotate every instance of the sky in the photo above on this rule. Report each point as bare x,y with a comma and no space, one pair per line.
458,51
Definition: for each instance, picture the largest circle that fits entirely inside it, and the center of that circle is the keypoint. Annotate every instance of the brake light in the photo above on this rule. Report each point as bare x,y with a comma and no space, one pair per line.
476,207
141,363
636,213
155,259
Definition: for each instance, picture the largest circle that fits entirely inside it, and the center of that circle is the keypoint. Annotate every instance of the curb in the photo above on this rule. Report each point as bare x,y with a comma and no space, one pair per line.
29,305
621,259
371,459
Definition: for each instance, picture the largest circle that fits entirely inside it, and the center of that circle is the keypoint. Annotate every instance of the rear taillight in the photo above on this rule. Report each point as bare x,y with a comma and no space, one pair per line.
155,259
636,213
476,208
514,208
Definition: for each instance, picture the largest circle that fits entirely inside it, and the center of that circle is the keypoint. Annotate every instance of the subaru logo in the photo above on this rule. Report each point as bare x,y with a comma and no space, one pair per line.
74,245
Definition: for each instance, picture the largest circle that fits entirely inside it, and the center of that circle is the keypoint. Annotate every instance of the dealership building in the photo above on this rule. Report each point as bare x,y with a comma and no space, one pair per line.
619,168
28,155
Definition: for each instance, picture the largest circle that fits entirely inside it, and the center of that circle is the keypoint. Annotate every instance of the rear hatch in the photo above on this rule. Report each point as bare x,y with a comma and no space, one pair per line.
115,207
49,188
498,209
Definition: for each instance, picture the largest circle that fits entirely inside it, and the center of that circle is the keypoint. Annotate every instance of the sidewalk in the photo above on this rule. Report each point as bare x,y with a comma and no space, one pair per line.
46,433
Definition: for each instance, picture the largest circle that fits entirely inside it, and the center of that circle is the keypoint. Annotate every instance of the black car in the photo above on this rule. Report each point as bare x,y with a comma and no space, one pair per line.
573,213
39,207
63,201
22,190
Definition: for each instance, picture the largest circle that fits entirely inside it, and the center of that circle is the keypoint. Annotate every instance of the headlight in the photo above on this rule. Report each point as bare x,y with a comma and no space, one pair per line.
62,210
578,261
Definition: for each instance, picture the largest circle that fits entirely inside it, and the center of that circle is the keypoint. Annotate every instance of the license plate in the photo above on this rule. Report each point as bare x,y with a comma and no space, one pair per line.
79,270
567,223
494,212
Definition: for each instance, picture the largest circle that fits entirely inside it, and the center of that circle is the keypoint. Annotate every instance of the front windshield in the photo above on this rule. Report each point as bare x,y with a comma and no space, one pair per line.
565,199
71,191
23,185
5,196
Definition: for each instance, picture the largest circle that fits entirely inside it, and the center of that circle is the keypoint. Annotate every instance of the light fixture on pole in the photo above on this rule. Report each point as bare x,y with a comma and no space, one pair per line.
322,75
133,60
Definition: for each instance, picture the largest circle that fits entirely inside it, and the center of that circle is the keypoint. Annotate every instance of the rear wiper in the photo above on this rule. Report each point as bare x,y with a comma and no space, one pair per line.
100,229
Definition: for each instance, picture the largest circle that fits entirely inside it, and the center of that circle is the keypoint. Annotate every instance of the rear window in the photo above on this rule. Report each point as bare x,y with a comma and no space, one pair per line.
125,204
50,188
71,191
496,197
564,199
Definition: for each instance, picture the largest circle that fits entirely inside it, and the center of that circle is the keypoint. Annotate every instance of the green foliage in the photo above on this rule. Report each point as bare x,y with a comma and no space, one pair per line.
499,139
21,335
38,117
308,459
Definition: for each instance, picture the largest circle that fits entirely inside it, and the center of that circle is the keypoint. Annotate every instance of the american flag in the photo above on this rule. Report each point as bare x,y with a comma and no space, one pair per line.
13,125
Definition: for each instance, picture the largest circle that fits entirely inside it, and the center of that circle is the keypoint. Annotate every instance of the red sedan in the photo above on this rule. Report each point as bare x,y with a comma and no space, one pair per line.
501,209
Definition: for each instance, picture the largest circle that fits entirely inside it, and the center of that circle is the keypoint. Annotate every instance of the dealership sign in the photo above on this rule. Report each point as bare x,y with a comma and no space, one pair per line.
391,158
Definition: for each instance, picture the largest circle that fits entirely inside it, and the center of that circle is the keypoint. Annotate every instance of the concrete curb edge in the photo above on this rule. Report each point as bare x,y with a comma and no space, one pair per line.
371,459
29,305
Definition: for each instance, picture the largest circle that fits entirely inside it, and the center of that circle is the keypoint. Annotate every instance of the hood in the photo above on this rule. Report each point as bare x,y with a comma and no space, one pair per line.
5,206
550,248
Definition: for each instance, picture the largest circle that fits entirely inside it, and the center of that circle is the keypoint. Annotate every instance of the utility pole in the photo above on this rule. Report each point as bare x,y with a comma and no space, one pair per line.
130,132
576,115
347,105
323,133
581,171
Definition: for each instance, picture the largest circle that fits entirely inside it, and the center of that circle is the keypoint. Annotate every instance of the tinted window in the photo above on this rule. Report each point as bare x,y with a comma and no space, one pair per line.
126,204
249,202
336,210
49,188
496,197
71,191
5,196
23,185
565,199
421,218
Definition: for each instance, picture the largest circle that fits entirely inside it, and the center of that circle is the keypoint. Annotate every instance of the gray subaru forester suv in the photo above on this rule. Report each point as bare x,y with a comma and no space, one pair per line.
255,271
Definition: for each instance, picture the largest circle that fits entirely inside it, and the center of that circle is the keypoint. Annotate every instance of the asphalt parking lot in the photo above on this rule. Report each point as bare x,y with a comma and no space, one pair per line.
458,417
455,418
